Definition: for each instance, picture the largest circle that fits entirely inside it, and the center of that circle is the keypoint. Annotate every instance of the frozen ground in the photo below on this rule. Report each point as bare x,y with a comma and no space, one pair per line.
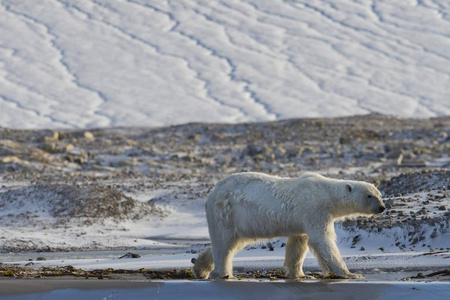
98,63
83,199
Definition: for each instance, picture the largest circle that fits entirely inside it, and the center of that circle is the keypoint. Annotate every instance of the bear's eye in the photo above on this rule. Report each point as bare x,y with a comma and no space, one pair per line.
370,196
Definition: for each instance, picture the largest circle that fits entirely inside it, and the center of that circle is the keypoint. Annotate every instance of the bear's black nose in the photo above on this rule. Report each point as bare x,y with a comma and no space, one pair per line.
381,209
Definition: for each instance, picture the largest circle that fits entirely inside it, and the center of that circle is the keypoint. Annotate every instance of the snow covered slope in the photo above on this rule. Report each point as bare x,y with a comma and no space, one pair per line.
100,63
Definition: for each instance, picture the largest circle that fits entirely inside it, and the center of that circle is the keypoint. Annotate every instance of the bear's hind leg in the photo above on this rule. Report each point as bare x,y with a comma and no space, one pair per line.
296,249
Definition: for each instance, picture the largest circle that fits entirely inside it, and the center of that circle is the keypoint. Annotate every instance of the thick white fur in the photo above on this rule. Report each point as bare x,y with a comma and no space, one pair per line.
246,207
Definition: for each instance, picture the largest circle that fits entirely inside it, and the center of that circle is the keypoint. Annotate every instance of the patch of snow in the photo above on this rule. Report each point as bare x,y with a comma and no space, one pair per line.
98,63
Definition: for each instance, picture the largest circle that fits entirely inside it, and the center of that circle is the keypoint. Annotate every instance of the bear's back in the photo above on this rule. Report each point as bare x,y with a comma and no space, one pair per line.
242,179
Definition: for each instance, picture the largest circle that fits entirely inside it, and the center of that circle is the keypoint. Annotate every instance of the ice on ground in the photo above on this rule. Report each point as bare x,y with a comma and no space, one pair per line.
121,289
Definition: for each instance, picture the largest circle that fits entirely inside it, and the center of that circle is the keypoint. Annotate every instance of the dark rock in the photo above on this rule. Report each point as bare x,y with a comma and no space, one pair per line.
130,255
356,239
253,150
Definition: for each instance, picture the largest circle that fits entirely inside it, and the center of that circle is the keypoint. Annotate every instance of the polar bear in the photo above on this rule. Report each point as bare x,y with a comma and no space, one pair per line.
246,207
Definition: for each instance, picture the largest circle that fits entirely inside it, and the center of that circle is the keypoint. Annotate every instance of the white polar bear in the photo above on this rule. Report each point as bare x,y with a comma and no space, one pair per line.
246,207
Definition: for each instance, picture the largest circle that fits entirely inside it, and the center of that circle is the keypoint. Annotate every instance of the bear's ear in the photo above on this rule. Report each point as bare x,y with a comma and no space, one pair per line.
349,187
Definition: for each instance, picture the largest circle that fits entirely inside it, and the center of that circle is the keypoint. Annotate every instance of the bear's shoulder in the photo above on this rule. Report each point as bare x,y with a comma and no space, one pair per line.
311,175
254,176
246,178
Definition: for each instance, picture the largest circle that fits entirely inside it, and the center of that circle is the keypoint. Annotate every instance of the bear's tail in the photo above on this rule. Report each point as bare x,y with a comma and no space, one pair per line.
203,264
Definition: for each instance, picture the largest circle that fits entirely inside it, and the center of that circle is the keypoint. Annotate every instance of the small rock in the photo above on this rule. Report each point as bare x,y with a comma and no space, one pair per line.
355,239
76,155
57,147
9,159
89,135
69,147
49,147
280,151
49,135
130,255
395,154
215,137
442,207
131,142
345,140
362,249
420,275
40,258
253,150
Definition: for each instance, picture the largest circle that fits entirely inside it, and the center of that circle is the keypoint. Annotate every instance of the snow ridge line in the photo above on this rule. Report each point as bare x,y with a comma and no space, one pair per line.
73,77
213,52
34,111
290,59
232,73
206,82
385,37
233,68
157,49
231,8
30,90
420,100
440,12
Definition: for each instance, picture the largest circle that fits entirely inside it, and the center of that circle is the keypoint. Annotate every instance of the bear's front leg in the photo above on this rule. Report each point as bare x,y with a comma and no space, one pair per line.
328,256
223,250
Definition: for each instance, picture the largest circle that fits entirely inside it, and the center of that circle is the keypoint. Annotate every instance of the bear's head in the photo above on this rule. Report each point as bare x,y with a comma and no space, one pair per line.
365,198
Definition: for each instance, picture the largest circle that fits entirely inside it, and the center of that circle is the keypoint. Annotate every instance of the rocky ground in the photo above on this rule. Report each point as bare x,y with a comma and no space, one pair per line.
70,178
71,272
